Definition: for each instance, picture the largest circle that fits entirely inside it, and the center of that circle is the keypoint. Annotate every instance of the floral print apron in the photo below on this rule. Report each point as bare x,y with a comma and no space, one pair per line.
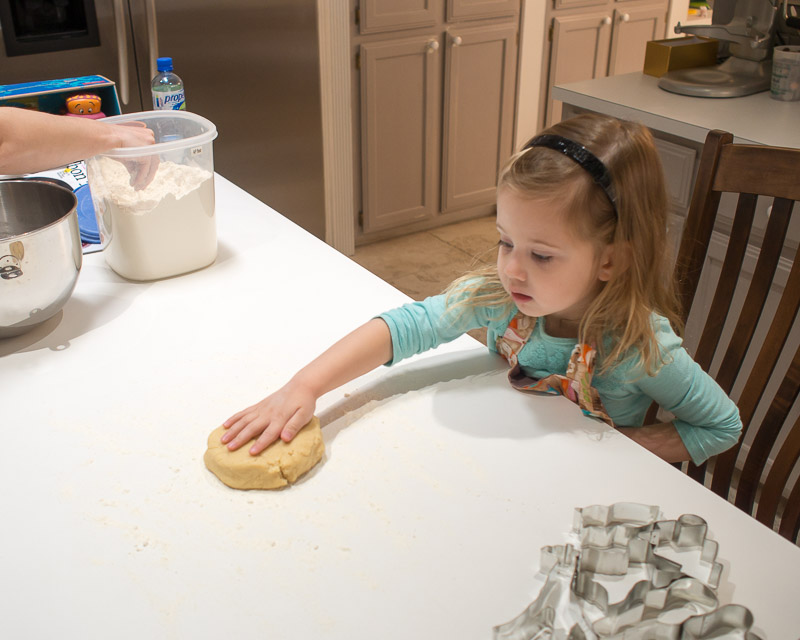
575,385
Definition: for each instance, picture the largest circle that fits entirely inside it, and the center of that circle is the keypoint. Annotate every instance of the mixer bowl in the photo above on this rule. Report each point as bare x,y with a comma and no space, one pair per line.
40,252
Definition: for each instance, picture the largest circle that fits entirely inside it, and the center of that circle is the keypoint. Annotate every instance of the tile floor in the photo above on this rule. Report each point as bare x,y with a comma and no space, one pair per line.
422,264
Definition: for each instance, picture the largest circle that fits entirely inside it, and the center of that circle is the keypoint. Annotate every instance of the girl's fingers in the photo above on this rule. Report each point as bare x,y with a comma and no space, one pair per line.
233,425
249,429
238,416
269,436
277,416
293,425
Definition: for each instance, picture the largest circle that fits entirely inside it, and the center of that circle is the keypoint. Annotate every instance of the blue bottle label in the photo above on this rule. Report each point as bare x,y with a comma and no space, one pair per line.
169,100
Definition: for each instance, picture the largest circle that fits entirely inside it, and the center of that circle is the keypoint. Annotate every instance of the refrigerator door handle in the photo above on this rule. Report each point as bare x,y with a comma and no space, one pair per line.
152,36
122,51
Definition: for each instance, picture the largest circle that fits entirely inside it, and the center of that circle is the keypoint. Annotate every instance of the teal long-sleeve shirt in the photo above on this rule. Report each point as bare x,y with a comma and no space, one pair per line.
706,419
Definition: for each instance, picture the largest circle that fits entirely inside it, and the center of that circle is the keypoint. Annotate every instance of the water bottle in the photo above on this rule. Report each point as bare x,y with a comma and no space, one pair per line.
167,88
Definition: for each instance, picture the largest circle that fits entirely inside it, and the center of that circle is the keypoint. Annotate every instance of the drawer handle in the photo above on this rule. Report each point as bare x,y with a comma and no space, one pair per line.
625,17
432,46
606,20
457,41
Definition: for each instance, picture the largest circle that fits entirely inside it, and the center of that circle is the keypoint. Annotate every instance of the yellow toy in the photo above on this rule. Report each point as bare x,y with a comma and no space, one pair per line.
85,105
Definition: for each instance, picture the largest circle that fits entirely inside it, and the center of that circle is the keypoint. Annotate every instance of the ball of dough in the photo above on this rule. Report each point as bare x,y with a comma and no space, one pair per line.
278,465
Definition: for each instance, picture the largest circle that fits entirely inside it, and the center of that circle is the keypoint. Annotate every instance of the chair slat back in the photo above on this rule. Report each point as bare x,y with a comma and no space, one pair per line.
756,474
756,298
749,168
731,267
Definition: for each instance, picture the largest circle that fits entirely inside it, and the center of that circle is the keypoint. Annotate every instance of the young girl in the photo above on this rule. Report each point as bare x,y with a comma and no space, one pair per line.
580,302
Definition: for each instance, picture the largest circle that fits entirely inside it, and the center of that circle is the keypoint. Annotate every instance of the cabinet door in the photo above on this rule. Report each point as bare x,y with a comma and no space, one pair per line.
391,15
400,106
634,26
480,72
472,9
579,52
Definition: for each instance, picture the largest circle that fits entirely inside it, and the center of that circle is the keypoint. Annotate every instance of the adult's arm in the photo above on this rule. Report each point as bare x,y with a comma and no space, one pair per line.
32,141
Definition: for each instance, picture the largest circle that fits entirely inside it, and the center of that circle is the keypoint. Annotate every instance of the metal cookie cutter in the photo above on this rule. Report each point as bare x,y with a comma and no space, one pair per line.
610,548
612,538
554,614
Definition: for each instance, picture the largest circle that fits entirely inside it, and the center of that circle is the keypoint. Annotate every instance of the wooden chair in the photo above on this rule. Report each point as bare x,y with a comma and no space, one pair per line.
755,478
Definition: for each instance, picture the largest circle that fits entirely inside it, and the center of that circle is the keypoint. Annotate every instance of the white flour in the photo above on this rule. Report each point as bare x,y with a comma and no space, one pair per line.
163,230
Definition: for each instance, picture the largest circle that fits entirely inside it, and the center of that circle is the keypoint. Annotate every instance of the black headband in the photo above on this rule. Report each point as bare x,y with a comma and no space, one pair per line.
581,155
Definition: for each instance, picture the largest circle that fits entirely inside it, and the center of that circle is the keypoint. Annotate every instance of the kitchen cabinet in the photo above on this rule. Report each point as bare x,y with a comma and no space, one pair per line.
634,26
589,39
400,102
388,15
435,87
384,15
480,70
580,45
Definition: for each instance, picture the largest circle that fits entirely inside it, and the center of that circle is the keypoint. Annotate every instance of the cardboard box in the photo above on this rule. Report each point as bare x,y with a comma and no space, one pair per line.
679,53
50,95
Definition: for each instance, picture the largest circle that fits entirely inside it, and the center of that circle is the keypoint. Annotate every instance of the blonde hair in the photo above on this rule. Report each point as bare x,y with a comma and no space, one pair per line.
622,309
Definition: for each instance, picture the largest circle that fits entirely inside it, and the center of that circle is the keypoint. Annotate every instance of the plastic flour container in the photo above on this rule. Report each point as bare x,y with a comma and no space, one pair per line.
155,204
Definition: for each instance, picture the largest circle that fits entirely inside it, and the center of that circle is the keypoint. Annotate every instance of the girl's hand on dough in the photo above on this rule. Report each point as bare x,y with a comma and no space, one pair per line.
280,415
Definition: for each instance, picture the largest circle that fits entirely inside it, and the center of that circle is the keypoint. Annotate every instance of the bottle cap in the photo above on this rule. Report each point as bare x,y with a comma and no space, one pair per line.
164,64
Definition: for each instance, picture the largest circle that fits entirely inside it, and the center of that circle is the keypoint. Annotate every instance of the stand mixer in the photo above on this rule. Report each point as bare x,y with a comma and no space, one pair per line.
748,30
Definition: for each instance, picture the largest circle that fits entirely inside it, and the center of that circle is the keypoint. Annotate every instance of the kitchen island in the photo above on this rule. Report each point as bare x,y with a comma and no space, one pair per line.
425,519
754,119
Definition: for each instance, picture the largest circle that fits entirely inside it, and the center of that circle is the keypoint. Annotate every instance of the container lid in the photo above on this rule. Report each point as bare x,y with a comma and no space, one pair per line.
191,130
87,221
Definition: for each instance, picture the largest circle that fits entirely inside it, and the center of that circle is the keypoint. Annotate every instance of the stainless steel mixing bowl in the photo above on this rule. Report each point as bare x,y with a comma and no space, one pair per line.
40,252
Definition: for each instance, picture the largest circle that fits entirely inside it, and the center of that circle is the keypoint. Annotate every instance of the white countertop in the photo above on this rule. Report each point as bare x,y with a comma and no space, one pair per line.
426,518
754,119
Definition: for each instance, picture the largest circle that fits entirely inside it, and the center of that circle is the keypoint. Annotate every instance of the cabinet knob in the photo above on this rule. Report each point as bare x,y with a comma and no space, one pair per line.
625,17
457,40
433,45
606,20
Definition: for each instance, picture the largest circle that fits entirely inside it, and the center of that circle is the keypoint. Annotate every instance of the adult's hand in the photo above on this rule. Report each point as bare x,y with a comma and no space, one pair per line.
134,134
142,169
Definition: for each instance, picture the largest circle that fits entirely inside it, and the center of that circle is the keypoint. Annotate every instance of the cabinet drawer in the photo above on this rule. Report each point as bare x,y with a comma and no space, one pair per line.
570,4
475,9
391,15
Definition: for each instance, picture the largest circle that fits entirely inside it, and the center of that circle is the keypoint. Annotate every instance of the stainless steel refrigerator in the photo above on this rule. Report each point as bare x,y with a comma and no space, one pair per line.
249,66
